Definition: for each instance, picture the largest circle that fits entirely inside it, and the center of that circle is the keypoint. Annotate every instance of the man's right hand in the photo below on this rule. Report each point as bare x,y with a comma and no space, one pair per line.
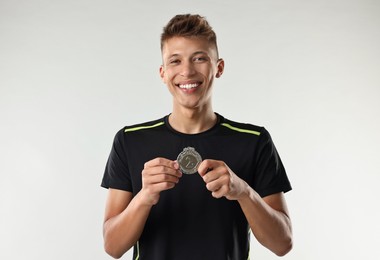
158,175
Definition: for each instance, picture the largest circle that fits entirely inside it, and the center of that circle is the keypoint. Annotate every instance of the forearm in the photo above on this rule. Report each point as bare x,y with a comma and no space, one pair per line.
271,227
122,231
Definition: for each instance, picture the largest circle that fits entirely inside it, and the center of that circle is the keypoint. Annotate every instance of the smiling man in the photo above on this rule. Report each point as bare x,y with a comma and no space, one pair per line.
193,184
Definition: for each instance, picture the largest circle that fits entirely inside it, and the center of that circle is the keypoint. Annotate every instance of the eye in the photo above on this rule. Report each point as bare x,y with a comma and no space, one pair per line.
200,59
174,62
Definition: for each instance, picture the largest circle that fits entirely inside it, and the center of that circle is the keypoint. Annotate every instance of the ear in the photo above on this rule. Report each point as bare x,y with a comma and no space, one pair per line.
220,68
162,73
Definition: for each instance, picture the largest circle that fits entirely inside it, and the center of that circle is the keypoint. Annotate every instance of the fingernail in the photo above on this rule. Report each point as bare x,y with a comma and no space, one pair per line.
176,165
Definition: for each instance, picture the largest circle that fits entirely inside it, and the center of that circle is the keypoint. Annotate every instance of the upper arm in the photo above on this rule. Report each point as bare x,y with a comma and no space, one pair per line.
117,202
277,201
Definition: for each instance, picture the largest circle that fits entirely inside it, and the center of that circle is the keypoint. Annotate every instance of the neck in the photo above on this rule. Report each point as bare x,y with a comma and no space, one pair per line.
192,121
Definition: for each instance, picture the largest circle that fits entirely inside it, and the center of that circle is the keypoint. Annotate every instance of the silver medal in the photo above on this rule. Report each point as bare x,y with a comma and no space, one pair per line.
188,160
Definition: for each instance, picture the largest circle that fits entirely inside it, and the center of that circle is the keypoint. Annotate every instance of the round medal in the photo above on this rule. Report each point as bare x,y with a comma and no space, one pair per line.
188,160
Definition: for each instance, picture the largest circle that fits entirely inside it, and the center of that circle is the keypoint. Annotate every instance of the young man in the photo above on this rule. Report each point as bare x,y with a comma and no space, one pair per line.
192,184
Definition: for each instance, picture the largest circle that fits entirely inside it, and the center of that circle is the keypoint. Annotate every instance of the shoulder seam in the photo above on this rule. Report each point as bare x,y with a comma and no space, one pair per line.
242,130
143,127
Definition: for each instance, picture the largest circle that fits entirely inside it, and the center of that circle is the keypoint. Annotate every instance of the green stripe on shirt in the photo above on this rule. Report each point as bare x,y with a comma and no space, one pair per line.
240,129
143,127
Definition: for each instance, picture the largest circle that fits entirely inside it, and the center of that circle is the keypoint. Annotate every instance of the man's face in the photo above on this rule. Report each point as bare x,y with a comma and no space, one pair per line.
189,68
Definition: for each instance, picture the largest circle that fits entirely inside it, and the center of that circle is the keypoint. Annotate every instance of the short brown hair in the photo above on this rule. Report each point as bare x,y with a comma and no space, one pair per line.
188,25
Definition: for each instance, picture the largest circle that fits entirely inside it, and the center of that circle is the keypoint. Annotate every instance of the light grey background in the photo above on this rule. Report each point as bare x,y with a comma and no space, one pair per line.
72,73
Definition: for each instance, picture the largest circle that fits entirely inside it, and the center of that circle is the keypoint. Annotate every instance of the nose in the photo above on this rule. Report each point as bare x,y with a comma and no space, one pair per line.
187,69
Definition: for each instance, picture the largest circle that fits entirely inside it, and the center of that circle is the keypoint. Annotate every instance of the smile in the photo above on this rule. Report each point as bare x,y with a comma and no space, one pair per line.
188,86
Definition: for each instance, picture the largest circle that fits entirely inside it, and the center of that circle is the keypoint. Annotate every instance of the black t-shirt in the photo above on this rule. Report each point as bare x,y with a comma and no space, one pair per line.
187,222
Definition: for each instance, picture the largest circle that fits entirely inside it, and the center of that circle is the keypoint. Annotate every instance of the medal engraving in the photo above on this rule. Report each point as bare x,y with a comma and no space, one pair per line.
188,160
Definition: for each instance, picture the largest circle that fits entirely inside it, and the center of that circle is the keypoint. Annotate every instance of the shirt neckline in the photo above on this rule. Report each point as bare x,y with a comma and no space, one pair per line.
214,128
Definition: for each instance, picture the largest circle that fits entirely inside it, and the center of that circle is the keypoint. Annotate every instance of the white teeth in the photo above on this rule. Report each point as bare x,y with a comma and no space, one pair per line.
188,86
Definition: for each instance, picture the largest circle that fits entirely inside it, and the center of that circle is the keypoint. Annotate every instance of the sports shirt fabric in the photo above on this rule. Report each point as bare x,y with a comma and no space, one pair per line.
188,223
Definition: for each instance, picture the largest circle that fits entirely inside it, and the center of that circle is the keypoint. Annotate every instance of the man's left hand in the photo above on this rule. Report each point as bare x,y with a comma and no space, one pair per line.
221,180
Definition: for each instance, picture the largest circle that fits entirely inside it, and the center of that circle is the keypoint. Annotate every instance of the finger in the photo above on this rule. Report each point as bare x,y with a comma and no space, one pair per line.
163,162
221,192
217,189
158,187
214,185
158,178
159,182
214,174
206,166
210,176
161,172
162,165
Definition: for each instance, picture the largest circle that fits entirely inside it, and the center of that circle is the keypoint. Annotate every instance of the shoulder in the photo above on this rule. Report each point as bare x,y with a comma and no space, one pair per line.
143,126
240,127
137,128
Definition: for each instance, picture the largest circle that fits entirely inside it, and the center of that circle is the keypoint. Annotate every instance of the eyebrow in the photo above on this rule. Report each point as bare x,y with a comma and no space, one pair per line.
193,54
173,55
201,52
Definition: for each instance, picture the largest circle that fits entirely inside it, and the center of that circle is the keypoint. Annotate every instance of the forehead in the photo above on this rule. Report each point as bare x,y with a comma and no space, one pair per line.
187,46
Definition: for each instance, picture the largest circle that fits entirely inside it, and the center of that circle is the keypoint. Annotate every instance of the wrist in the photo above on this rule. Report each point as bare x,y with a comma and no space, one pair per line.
147,199
247,194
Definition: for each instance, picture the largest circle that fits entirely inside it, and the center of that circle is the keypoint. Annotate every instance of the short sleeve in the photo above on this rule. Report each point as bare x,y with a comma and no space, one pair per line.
116,174
270,176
